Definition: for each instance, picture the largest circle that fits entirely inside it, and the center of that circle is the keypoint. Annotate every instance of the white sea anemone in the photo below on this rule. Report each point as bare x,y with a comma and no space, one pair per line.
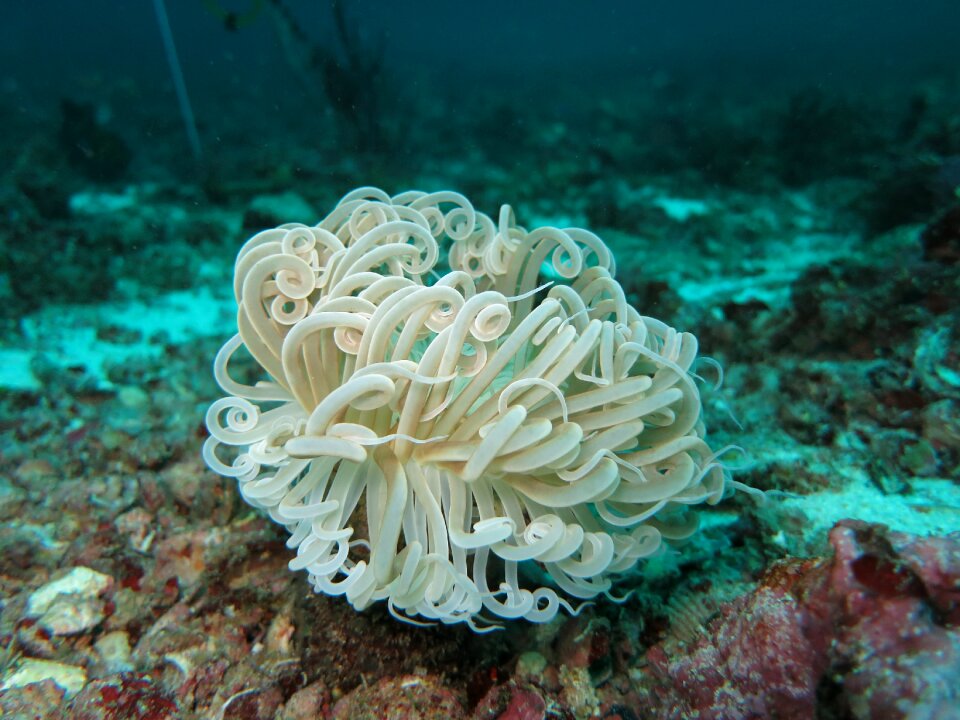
467,446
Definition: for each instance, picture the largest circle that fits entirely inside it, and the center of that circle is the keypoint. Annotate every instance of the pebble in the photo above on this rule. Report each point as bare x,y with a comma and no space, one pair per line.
114,650
69,615
33,670
531,665
81,582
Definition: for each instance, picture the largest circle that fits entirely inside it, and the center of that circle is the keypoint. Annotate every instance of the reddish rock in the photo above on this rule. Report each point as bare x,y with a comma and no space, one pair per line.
181,557
872,629
36,701
896,600
525,704
173,632
511,701
758,657
936,562
308,703
203,684
123,697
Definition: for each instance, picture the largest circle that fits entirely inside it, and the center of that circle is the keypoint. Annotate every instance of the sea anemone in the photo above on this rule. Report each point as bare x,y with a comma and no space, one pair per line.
497,441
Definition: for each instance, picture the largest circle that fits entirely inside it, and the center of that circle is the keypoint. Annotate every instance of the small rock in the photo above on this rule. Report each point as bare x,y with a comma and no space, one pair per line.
137,525
181,558
280,635
70,615
511,701
133,397
114,651
188,485
30,472
81,583
525,704
531,665
578,693
941,423
306,703
123,696
33,670
11,499
37,701
920,459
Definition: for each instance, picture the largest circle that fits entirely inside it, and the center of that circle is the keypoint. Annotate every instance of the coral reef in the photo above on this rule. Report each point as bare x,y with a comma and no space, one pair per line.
809,237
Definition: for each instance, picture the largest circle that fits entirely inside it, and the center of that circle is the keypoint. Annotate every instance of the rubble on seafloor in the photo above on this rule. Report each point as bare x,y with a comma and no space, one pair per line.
135,583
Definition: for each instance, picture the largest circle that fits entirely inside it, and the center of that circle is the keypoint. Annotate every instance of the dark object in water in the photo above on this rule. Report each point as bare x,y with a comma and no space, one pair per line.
941,238
351,75
98,153
233,19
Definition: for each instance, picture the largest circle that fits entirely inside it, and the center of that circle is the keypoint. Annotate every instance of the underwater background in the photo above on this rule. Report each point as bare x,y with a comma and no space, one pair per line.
779,178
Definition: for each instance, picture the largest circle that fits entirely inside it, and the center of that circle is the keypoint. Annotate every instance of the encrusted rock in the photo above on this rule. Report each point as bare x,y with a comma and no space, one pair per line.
511,701
36,701
70,616
584,642
138,525
181,558
114,651
80,583
33,670
123,696
530,664
408,697
875,627
70,604
307,703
